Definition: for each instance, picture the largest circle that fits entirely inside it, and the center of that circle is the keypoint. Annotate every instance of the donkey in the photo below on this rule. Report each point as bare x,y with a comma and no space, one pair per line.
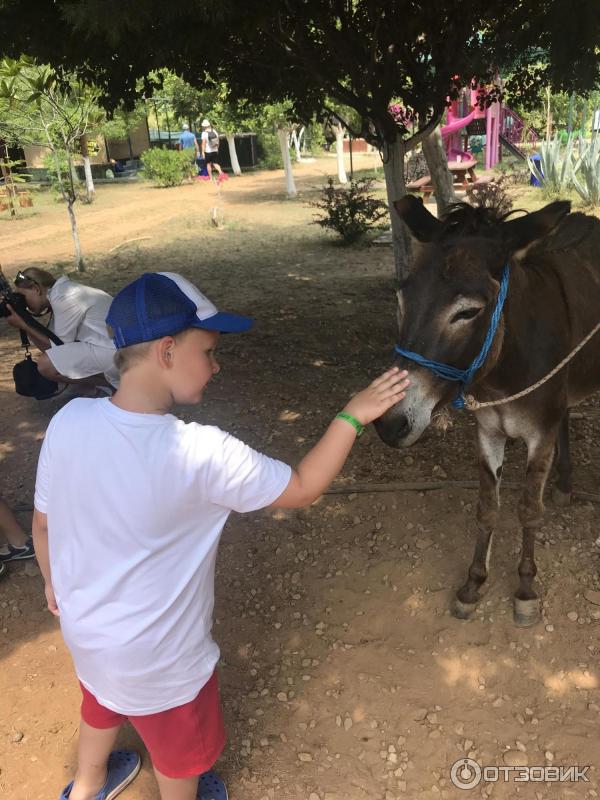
549,263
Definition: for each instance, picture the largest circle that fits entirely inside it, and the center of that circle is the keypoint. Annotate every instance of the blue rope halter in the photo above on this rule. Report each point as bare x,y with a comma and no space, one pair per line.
465,376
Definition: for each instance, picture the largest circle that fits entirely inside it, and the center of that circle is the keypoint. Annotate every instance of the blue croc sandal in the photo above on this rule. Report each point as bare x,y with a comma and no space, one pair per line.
211,787
123,766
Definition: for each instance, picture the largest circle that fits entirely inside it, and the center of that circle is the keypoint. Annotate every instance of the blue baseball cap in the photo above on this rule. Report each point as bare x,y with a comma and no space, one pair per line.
162,304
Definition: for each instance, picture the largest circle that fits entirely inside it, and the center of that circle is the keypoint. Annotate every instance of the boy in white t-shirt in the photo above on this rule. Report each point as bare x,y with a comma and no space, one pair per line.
130,503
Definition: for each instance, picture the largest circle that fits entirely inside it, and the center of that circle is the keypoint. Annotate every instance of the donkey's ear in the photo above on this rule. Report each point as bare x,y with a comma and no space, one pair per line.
521,233
421,223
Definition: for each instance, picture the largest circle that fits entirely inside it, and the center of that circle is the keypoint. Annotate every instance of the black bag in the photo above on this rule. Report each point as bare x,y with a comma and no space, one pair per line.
27,378
29,382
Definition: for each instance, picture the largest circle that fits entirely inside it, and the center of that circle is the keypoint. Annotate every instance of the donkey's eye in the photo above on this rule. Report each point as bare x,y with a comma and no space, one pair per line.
467,313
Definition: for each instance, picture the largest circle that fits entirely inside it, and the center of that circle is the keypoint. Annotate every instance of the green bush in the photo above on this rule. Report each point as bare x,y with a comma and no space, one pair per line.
167,167
50,165
351,211
269,152
315,139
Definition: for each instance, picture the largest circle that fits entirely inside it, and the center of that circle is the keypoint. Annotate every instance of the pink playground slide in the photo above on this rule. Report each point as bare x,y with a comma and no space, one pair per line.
456,124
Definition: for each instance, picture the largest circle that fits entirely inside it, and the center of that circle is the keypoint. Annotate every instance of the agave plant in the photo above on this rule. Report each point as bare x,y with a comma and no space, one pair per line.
586,177
555,171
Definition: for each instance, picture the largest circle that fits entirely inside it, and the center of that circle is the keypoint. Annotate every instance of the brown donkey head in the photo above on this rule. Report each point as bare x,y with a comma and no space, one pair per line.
446,303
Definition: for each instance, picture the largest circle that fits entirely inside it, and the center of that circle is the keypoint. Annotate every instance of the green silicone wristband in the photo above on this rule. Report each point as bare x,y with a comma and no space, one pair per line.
353,421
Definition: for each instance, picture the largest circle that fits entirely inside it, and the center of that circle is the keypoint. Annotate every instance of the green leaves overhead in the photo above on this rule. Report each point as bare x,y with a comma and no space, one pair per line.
360,53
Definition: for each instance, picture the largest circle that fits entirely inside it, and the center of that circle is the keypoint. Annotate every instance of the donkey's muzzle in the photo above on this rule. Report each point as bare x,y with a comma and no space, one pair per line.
393,430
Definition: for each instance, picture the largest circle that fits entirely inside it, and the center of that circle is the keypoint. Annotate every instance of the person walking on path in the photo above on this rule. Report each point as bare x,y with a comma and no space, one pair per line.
188,141
130,504
210,150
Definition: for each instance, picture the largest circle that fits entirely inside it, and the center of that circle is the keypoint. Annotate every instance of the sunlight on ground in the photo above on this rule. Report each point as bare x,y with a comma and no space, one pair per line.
560,683
471,670
289,416
414,602
475,674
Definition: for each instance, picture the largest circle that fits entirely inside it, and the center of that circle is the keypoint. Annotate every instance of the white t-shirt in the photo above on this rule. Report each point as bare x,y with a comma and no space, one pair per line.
210,148
136,504
79,313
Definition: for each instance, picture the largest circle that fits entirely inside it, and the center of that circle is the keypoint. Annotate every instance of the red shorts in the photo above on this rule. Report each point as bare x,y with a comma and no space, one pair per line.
182,741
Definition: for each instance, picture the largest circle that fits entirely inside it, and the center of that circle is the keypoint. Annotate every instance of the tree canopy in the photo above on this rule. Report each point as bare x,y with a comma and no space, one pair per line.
363,54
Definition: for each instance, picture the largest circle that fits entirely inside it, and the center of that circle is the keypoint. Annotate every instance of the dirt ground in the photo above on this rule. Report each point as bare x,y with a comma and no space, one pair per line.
343,674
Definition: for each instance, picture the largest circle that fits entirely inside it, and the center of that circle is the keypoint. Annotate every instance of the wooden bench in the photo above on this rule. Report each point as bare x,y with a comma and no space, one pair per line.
423,185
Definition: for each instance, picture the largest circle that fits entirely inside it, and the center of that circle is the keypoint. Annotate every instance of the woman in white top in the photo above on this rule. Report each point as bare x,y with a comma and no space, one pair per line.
78,318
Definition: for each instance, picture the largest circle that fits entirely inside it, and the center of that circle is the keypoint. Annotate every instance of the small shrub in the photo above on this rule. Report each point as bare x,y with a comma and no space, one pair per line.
350,211
269,152
315,141
167,167
492,195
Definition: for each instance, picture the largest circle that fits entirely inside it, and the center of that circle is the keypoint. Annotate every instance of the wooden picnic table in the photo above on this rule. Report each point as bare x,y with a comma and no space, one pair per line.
463,172
463,175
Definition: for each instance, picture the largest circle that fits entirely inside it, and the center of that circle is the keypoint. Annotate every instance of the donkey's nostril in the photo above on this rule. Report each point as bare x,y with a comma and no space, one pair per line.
402,427
393,431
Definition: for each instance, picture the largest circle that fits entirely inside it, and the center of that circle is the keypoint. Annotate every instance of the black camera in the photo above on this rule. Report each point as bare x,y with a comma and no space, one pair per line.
8,297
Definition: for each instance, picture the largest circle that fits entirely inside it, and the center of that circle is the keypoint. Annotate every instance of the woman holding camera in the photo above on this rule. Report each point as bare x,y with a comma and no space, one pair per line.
78,318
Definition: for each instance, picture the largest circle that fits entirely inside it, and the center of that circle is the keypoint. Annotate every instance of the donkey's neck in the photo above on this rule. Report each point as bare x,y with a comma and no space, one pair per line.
533,334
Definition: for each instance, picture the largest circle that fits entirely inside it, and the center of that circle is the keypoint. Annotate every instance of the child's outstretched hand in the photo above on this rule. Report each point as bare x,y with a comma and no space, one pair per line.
385,391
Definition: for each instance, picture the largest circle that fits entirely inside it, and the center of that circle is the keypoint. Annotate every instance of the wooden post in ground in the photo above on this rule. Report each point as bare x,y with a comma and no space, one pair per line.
11,191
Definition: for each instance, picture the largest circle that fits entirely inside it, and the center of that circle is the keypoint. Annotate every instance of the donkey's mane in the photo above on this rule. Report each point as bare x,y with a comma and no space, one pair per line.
467,220
573,231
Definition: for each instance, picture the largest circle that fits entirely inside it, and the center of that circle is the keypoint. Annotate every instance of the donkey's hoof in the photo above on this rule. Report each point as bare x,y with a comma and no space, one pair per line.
527,612
462,610
559,498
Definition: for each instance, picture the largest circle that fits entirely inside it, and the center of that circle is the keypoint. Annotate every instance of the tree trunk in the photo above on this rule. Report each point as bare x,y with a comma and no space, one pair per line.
441,177
89,181
548,115
296,143
75,233
290,186
73,174
11,193
393,169
339,151
235,164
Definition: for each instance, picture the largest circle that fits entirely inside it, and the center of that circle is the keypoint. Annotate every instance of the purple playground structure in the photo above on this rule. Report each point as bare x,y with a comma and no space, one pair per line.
500,125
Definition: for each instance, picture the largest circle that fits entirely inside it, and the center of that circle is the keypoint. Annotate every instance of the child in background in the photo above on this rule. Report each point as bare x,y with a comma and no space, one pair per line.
18,545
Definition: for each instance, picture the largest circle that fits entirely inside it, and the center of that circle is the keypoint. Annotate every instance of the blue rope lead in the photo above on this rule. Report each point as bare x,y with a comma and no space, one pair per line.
465,376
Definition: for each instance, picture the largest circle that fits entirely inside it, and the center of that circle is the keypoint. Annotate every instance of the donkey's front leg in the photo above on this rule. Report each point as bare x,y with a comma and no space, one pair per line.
491,455
561,493
531,512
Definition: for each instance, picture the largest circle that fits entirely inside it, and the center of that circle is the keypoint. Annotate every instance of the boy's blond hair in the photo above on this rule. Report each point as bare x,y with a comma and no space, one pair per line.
127,357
